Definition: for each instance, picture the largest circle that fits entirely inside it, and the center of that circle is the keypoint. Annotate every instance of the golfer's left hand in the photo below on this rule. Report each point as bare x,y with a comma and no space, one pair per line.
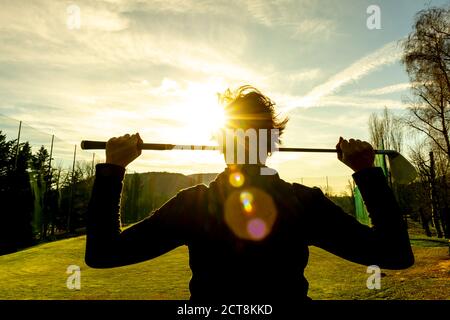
123,150
356,154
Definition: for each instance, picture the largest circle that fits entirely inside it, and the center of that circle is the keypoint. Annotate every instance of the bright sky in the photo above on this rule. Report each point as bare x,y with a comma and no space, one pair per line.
155,68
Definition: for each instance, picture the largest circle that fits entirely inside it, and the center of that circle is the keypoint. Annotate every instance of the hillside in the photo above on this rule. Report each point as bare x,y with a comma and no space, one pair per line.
144,192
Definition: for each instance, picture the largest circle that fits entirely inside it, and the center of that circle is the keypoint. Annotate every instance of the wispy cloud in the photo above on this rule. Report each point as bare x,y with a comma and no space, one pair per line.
360,102
388,54
299,19
399,87
313,27
305,75
343,121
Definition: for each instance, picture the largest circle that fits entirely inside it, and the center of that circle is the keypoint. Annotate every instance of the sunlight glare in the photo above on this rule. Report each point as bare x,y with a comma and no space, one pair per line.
202,114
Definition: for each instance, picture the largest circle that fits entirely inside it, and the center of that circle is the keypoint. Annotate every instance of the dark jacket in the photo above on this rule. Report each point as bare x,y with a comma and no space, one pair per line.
228,265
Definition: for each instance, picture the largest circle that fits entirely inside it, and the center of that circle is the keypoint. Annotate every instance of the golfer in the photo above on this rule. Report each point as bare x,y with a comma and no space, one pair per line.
248,232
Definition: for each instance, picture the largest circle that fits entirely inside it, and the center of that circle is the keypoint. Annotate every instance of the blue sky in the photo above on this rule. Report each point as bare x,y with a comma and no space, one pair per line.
156,66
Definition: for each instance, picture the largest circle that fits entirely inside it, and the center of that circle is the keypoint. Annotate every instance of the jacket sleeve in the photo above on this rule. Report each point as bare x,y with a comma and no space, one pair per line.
108,246
385,244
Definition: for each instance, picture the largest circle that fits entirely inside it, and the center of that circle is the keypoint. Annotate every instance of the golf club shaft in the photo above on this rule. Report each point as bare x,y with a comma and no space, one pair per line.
99,145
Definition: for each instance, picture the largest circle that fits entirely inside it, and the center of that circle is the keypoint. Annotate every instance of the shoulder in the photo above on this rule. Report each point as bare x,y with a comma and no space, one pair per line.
183,203
185,198
194,190
302,189
307,194
192,194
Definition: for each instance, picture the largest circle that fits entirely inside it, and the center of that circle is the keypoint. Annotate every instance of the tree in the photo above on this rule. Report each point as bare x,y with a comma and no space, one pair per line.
15,196
22,198
431,197
386,131
130,198
74,189
426,57
40,177
39,160
5,156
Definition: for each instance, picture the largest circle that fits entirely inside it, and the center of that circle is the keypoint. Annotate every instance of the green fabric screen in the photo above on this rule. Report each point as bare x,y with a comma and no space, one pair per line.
360,209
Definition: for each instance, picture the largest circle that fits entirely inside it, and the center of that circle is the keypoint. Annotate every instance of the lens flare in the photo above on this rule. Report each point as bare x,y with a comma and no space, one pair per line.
246,200
250,214
236,179
246,196
257,228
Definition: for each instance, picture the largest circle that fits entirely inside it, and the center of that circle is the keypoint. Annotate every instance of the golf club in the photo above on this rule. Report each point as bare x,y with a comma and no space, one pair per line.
401,169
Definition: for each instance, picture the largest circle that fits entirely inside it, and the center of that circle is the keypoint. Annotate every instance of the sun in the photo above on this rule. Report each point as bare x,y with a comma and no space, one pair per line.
204,121
203,116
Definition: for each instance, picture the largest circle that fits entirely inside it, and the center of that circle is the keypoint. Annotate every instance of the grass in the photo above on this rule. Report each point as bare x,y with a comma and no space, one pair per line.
40,273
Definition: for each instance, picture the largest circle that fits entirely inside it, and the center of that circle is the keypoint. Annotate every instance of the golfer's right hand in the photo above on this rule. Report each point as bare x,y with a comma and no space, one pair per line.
123,150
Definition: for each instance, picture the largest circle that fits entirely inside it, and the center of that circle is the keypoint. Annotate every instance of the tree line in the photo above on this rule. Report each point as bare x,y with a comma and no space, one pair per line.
40,201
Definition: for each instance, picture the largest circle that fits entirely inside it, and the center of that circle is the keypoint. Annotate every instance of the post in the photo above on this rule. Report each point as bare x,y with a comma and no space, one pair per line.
386,169
58,195
17,147
327,186
71,191
93,162
445,212
434,199
50,159
48,186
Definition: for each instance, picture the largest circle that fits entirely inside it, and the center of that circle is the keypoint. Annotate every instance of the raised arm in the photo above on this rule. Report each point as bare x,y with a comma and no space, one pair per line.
107,245
386,243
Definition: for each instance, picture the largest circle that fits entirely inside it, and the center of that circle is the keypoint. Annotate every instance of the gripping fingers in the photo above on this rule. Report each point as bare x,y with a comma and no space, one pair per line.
338,148
139,143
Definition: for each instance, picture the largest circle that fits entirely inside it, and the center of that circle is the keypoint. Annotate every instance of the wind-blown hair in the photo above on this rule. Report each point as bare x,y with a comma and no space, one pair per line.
246,107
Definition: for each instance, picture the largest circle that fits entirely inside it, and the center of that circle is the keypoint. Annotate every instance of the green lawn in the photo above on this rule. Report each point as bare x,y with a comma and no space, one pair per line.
40,273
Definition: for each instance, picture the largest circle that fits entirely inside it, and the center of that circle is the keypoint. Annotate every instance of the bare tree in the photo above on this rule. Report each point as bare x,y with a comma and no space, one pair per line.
426,57
426,196
85,169
386,131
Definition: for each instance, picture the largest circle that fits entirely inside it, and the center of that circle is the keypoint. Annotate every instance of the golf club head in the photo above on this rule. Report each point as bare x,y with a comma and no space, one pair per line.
402,171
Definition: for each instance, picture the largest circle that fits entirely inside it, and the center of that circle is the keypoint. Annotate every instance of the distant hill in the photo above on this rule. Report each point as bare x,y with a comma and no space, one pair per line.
144,192
204,178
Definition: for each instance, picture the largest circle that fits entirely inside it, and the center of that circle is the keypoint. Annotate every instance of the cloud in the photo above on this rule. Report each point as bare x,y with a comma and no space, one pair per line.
305,75
102,20
399,87
386,55
114,37
168,87
299,19
309,28
359,102
344,121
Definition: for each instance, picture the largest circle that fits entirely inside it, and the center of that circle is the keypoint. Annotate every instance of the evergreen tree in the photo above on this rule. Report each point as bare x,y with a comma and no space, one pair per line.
15,195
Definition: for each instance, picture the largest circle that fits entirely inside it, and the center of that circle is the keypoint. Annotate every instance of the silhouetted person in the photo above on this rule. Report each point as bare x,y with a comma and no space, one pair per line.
248,233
